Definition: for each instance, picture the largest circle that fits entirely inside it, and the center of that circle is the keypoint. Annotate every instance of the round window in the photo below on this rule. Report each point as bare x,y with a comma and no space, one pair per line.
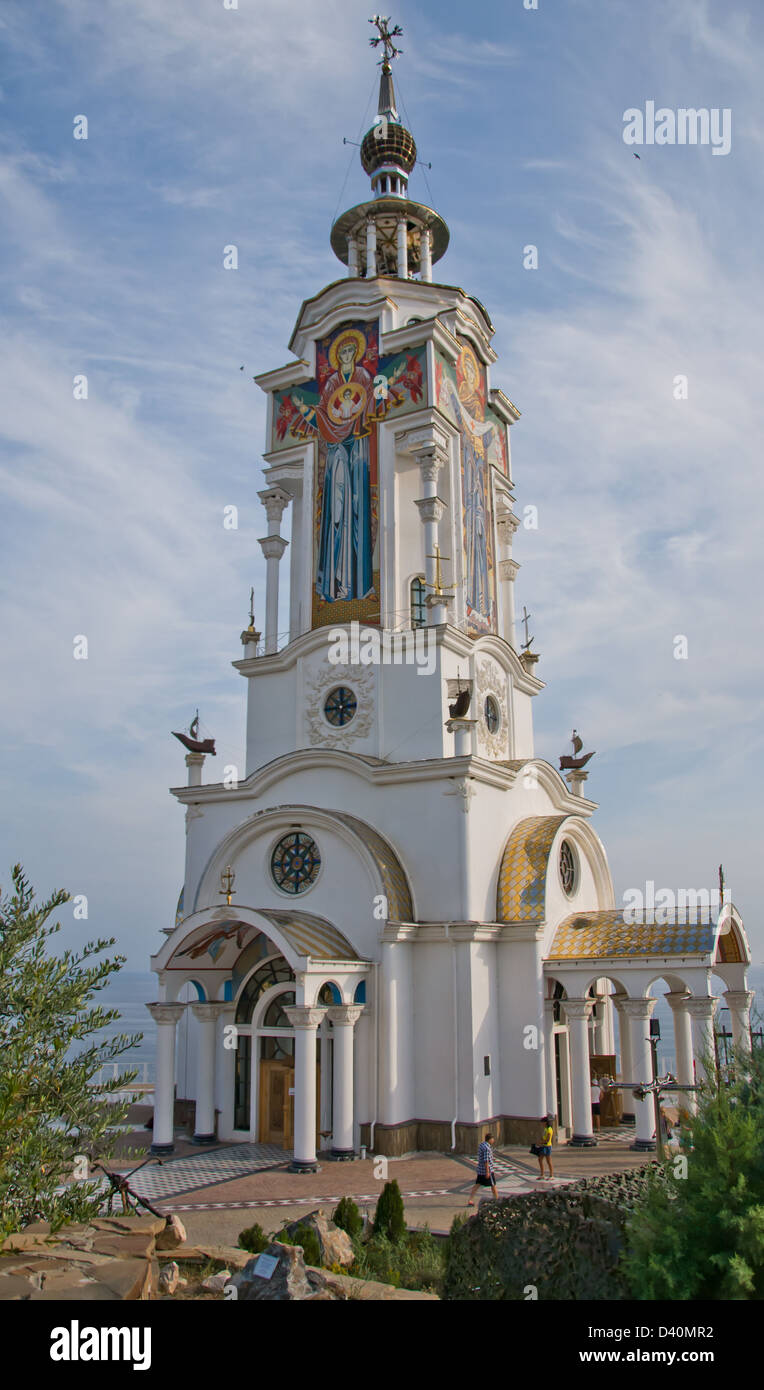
492,715
340,706
295,862
567,868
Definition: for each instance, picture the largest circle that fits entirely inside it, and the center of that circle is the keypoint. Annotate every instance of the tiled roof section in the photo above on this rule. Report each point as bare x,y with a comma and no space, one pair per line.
522,877
309,935
392,873
603,934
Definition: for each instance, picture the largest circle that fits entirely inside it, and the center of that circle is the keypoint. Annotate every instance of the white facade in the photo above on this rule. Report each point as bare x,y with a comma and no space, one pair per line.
438,915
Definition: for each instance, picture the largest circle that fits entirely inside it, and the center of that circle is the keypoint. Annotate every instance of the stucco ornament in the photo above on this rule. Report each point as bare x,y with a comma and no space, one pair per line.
319,731
490,680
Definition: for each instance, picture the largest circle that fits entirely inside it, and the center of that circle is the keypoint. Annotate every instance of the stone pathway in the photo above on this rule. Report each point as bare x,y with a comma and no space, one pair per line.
334,1197
203,1169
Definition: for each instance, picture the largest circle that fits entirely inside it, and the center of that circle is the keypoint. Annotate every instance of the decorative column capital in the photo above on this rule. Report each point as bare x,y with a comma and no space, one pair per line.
635,1008
275,500
209,1010
428,444
508,569
677,1000
273,547
430,508
703,1008
506,525
302,1016
740,999
165,1013
341,1014
577,1008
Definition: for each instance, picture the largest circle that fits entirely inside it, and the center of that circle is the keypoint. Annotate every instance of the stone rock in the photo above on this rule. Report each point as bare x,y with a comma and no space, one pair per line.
217,1282
288,1283
228,1255
128,1279
335,1244
149,1225
169,1278
173,1235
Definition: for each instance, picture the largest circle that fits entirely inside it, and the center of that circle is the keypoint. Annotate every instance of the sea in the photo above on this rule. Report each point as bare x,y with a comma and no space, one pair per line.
131,990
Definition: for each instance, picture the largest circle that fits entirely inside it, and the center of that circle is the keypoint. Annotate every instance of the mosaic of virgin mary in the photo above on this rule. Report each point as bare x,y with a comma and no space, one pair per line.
352,392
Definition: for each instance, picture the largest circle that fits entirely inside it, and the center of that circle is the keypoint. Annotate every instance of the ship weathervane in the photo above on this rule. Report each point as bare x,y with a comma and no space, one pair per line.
574,763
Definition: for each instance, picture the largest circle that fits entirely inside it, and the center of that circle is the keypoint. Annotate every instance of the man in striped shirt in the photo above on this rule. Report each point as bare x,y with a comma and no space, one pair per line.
485,1173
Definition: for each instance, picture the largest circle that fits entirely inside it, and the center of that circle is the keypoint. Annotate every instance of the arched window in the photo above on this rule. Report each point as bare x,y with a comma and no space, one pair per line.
418,606
275,1016
274,972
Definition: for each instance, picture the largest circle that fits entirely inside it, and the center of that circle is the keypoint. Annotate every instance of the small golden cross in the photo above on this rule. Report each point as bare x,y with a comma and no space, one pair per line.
437,557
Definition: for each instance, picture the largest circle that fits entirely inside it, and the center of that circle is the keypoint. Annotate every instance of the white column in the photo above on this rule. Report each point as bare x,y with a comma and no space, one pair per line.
431,457
600,1025
739,1003
551,1069
371,249
426,255
627,1066
685,1073
166,1017
352,257
577,1012
274,500
206,1015
343,1018
397,1028
506,526
403,253
195,763
638,1013
305,1021
702,1012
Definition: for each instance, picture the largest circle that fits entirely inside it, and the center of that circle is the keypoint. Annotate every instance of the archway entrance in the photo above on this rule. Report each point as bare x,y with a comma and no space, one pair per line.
264,1072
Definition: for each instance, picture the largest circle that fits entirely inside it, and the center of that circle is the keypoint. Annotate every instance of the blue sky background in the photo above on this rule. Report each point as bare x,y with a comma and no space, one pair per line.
209,127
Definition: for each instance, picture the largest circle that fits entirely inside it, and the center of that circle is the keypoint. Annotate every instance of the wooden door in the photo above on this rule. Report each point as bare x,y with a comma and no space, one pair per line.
276,1104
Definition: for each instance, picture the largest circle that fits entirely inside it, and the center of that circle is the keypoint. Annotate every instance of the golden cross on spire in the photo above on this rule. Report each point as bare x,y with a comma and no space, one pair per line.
386,37
227,880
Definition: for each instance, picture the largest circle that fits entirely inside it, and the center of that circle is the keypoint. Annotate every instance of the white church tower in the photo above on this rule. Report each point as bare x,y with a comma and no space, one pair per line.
399,926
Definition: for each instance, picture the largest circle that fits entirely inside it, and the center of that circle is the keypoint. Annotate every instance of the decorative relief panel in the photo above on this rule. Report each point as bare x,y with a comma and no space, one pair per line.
491,680
320,733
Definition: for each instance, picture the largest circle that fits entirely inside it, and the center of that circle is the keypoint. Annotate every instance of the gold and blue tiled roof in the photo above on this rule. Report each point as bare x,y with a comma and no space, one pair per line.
621,932
520,894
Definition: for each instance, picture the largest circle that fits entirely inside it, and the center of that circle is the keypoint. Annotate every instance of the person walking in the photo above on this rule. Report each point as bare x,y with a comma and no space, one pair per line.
595,1094
544,1150
485,1171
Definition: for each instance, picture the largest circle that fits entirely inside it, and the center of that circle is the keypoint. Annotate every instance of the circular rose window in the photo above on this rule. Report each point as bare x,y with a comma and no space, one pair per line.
492,716
567,868
340,706
295,862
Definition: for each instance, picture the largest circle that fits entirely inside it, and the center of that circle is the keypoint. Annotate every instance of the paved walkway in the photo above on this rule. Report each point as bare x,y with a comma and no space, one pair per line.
219,1203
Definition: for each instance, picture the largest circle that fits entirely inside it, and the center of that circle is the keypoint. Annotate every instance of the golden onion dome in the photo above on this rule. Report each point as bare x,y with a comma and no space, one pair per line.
388,143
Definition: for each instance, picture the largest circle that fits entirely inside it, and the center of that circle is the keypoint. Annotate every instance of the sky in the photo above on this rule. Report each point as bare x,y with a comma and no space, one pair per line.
210,126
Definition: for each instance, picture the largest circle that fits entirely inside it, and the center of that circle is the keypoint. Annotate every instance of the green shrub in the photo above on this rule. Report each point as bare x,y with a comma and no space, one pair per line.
306,1238
701,1236
348,1217
253,1239
416,1262
389,1217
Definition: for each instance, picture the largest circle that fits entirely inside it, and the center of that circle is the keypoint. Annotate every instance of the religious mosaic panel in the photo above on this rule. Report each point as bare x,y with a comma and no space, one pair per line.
461,393
353,391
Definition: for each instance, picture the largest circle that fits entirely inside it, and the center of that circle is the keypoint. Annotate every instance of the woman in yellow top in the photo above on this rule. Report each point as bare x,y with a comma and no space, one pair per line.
545,1148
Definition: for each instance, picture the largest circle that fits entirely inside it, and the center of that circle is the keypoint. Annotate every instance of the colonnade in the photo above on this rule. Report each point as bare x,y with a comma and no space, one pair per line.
305,1020
694,1037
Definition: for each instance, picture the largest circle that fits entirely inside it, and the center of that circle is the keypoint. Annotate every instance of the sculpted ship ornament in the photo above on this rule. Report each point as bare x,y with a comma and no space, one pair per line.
571,763
192,742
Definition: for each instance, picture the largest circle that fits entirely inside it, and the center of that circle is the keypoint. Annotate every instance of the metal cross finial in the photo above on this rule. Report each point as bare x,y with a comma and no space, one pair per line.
252,610
227,880
437,557
386,37
526,619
